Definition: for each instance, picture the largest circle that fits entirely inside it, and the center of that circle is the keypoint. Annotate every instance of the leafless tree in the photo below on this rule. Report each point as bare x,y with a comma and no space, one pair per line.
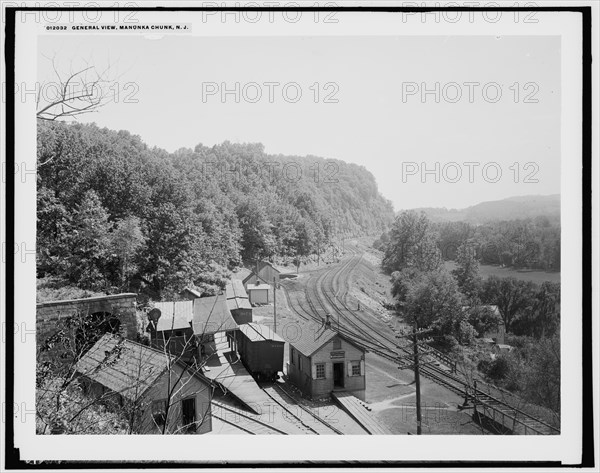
84,89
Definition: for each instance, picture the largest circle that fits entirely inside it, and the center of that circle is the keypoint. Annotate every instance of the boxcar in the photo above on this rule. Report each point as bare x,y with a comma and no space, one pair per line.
261,350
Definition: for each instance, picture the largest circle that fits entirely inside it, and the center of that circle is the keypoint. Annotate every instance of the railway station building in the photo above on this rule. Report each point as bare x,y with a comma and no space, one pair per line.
322,361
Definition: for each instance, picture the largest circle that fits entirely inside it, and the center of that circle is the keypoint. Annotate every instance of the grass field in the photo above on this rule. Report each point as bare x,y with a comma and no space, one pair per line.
536,276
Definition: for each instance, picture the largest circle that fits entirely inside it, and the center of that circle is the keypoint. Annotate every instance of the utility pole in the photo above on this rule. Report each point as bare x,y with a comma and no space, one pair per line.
417,377
416,366
274,305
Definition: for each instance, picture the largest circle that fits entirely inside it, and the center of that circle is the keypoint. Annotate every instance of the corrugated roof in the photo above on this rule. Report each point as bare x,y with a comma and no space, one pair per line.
174,315
260,333
311,338
212,315
235,288
238,303
123,366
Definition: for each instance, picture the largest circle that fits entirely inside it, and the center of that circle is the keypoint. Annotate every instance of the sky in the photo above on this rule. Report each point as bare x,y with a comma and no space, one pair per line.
369,109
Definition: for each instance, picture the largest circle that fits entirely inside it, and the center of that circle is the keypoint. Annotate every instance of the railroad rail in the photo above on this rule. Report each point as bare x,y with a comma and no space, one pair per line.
318,418
320,294
260,427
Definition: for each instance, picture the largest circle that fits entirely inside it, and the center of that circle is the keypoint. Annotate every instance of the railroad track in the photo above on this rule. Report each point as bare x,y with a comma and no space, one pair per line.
320,295
250,425
322,426
287,404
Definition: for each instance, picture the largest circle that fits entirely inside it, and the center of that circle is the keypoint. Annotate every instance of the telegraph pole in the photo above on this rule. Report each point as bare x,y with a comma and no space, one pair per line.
415,365
274,305
417,377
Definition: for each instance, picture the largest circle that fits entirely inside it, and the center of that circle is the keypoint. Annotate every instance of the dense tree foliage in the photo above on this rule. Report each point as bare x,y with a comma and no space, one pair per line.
454,308
114,214
527,243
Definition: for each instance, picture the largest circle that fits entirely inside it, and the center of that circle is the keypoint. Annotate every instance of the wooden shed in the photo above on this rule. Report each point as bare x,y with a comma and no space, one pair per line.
163,395
261,350
258,293
264,272
170,325
322,361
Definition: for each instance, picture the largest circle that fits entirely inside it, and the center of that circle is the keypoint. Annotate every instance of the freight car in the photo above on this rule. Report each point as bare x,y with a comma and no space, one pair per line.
261,350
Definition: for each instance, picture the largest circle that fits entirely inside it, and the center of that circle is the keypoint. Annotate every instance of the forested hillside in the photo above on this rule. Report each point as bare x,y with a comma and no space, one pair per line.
114,213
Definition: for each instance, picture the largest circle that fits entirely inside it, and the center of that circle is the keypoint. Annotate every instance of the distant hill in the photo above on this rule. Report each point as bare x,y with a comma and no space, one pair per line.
527,206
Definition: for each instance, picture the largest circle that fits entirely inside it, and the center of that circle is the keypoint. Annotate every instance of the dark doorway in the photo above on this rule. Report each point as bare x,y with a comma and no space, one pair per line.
338,375
188,414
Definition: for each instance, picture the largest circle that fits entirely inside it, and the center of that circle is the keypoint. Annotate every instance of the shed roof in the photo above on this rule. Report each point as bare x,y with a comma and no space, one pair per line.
259,287
174,315
123,366
212,315
238,303
235,288
193,292
260,333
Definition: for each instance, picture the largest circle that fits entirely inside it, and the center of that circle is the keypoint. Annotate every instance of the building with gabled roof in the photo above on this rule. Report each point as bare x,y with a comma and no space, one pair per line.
322,361
138,379
264,272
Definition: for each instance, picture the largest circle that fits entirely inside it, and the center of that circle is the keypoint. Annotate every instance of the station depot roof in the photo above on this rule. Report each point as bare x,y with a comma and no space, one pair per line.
212,315
312,337
259,333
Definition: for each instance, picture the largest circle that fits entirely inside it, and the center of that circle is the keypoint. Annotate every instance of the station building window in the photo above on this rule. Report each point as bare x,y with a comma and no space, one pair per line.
320,370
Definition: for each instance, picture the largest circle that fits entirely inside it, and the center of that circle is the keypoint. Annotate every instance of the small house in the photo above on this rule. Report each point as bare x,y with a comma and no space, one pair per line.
258,293
170,325
161,394
322,361
190,294
261,350
211,315
264,272
238,302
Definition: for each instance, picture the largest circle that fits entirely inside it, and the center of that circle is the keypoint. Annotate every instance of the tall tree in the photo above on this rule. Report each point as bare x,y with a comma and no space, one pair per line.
87,244
511,295
412,244
467,271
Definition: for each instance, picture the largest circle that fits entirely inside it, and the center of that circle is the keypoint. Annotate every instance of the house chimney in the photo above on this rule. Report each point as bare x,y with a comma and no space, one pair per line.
327,322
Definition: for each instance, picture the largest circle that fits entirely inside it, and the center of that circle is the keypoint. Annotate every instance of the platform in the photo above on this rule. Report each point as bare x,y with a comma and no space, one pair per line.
225,368
357,409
